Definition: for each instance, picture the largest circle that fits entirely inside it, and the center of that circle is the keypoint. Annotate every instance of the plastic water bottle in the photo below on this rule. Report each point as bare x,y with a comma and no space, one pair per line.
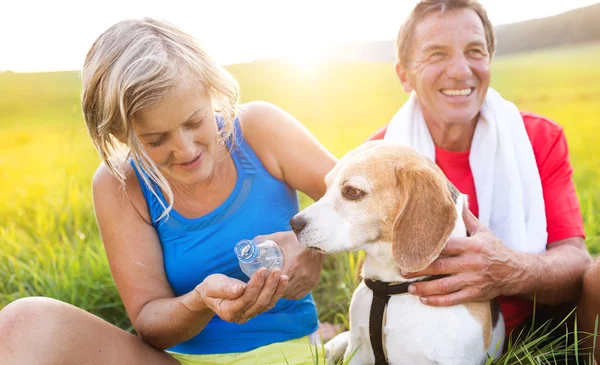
252,255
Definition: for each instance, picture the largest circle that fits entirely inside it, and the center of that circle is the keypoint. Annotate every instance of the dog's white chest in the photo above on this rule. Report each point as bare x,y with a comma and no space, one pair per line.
414,333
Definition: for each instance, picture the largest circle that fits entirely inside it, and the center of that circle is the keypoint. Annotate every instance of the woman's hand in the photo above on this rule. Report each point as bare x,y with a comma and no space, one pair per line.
235,301
302,265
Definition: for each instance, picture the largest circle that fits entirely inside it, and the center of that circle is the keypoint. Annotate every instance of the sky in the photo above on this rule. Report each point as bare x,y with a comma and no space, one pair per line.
56,35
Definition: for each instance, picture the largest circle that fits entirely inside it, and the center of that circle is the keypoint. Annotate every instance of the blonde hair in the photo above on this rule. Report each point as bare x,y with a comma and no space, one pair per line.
133,65
426,7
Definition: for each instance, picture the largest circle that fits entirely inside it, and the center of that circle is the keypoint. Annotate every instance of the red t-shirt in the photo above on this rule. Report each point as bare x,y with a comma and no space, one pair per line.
563,216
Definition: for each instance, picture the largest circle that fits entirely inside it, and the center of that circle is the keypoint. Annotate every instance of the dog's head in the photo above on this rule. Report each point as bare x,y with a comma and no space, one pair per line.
382,192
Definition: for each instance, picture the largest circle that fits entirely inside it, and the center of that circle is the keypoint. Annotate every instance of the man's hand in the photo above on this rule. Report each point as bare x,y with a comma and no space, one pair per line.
302,265
480,268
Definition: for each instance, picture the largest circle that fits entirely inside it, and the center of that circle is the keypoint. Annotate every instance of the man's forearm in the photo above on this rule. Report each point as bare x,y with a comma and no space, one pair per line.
555,276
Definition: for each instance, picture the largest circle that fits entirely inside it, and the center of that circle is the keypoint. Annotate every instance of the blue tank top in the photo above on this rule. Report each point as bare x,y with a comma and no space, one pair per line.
195,248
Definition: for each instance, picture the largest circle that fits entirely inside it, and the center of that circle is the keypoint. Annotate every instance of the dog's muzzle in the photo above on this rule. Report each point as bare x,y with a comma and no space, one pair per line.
298,223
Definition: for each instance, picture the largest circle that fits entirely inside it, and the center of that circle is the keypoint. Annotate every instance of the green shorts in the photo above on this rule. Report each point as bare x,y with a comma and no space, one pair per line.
293,352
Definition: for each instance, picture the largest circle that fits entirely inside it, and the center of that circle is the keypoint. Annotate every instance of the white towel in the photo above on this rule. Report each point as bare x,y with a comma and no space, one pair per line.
507,180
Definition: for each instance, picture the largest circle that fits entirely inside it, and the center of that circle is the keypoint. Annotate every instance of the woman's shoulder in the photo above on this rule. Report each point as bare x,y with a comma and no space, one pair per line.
107,180
260,115
287,149
107,187
261,124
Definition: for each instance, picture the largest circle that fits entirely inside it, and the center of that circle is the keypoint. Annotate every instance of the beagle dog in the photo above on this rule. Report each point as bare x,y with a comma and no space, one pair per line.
397,206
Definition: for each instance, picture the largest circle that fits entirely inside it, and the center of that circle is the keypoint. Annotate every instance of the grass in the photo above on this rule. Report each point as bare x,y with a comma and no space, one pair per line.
50,242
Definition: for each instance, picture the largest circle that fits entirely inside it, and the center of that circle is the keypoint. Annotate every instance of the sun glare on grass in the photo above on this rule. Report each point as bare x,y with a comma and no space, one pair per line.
307,57
307,61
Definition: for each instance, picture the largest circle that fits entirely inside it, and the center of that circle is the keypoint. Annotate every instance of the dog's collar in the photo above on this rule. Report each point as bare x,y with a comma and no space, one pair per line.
382,291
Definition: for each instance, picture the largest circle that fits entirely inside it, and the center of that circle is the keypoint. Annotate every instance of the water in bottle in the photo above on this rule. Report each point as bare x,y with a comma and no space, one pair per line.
254,254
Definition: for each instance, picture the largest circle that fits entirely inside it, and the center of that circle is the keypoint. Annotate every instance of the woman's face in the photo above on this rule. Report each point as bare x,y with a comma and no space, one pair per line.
180,134
449,67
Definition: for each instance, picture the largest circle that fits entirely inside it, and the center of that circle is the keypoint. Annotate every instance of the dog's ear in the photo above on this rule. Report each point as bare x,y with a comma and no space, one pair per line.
426,216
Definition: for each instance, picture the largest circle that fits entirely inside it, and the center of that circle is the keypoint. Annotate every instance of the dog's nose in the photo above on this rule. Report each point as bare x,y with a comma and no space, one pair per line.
298,223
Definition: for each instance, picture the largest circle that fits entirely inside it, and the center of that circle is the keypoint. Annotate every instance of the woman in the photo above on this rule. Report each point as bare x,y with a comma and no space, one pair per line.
200,175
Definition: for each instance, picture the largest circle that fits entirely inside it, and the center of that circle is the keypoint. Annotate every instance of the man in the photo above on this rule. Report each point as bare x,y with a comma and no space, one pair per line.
514,166
589,305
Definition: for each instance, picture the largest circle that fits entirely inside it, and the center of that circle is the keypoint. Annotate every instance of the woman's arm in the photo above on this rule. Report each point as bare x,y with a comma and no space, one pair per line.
292,154
135,257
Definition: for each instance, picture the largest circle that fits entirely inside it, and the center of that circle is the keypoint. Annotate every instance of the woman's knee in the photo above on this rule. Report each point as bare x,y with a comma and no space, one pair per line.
30,319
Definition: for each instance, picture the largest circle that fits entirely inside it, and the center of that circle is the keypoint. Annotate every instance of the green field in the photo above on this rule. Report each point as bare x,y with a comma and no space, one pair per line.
50,243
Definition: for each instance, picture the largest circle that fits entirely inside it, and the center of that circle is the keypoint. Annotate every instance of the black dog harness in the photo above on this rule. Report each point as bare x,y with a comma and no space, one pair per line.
382,291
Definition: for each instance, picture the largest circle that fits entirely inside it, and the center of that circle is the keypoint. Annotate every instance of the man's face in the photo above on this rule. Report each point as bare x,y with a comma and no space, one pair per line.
449,67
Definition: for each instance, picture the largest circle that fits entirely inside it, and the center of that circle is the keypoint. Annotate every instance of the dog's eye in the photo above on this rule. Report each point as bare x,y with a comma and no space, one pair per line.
352,193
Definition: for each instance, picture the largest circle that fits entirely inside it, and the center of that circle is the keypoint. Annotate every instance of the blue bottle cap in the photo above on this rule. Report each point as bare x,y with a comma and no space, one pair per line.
246,250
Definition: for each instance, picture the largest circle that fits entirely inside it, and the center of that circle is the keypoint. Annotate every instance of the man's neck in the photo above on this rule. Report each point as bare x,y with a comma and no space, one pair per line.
455,137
